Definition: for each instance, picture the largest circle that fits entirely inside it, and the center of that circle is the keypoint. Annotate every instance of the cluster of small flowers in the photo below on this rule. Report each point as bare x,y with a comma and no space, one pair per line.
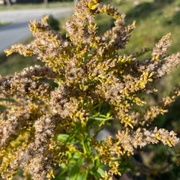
86,71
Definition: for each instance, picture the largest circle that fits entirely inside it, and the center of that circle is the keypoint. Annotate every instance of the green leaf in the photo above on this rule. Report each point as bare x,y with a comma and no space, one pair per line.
62,173
62,137
100,171
75,170
83,175
100,117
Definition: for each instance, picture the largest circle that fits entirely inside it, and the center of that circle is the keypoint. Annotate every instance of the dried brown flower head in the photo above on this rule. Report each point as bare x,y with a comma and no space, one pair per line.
84,83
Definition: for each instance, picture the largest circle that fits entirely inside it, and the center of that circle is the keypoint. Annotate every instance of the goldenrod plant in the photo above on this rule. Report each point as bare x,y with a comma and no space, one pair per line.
52,113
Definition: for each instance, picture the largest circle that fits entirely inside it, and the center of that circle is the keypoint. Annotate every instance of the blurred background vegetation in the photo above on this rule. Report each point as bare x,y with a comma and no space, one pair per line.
154,18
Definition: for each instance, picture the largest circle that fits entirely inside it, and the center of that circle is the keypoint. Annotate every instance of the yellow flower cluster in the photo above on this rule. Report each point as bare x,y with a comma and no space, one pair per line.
49,111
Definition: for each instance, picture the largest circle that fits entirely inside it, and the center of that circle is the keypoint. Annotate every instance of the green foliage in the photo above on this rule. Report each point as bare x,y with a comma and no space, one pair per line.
57,109
161,18
4,23
53,23
176,18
